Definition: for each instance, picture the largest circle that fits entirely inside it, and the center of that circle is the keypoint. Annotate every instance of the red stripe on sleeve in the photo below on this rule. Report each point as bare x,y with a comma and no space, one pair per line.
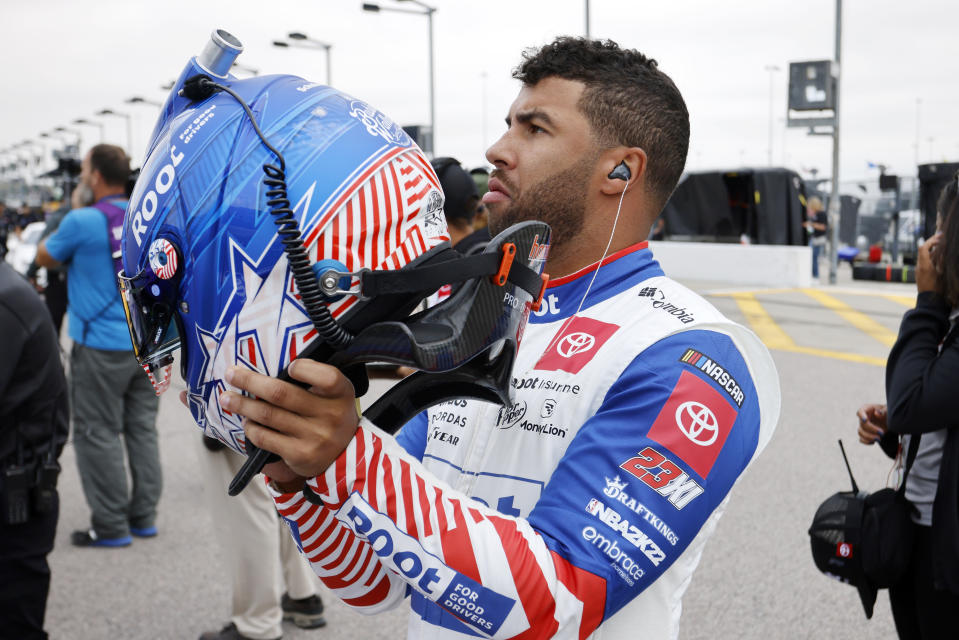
389,488
371,480
424,507
534,594
316,544
406,485
588,588
457,546
377,595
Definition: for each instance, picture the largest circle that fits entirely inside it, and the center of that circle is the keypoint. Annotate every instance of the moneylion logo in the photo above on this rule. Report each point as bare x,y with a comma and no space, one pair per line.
697,422
579,342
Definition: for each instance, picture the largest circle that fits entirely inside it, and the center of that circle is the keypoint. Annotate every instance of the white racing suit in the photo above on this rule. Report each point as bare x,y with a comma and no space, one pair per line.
579,511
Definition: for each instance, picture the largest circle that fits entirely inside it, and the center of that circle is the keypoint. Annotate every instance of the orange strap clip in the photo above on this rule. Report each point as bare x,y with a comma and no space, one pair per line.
509,252
542,291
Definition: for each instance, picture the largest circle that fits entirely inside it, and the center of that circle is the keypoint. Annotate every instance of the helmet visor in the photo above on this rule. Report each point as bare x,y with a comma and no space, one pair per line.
152,320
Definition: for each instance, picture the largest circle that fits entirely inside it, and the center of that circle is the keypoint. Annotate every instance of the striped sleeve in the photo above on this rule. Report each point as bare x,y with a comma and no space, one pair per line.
347,565
492,572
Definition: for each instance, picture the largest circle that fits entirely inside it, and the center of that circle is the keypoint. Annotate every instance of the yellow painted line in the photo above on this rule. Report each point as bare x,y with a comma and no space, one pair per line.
733,294
906,301
762,323
774,337
838,355
856,318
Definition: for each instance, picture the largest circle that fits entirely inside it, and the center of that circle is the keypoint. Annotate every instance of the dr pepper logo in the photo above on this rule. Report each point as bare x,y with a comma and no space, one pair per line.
575,345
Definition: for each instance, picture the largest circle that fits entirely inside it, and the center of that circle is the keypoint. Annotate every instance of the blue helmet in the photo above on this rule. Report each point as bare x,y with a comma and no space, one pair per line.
276,218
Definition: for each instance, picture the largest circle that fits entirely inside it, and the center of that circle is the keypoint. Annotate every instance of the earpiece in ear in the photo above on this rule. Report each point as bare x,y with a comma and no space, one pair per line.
621,172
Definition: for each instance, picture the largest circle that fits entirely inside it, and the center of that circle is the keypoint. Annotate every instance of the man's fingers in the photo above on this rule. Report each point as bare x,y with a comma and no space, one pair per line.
273,390
266,438
323,379
273,416
306,458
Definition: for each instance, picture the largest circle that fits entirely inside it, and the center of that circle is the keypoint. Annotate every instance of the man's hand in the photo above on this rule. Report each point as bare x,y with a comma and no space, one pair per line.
927,267
308,429
872,422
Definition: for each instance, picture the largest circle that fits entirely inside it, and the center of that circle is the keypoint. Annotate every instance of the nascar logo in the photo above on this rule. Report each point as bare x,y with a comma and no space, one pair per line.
712,369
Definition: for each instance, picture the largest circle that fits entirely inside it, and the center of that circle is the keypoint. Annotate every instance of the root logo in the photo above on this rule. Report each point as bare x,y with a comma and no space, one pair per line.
575,345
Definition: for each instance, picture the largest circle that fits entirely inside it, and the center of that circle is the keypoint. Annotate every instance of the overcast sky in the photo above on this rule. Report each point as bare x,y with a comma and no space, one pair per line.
67,59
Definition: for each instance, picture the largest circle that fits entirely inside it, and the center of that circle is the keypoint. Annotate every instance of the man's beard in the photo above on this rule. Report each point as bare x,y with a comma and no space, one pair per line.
558,200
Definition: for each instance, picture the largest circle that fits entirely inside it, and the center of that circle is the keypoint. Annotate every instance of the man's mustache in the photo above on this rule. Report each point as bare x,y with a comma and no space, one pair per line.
510,186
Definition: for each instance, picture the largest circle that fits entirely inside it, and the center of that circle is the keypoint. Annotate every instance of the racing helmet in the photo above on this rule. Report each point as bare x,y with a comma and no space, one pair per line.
276,218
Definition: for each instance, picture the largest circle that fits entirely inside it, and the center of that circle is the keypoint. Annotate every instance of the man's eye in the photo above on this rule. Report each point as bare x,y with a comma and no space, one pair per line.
536,129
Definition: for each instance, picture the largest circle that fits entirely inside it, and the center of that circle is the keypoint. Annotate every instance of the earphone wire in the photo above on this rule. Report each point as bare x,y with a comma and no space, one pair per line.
609,243
599,266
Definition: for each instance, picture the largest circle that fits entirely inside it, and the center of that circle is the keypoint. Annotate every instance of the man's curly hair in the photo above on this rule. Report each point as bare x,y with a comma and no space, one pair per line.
627,101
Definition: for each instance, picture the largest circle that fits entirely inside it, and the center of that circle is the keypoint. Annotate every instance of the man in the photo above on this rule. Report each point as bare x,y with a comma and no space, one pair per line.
34,421
459,198
585,505
271,585
111,396
816,225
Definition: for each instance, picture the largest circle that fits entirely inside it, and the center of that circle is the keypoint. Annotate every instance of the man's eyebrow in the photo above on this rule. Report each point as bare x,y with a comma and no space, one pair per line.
524,117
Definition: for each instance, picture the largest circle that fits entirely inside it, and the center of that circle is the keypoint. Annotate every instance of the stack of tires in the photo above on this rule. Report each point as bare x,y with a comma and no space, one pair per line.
884,272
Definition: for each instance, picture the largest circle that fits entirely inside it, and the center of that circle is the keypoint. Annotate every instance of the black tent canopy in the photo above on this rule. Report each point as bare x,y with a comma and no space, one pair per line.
767,206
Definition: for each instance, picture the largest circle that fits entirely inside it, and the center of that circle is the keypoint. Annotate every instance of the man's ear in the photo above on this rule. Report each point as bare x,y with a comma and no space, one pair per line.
623,166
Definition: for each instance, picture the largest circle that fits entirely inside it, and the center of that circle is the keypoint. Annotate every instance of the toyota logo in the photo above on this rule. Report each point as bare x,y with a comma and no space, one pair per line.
575,343
697,422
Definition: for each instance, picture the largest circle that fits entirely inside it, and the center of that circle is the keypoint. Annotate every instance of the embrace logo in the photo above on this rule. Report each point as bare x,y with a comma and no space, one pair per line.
625,566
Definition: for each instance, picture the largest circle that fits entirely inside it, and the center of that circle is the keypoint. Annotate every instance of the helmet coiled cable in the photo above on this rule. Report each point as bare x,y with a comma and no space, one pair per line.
201,87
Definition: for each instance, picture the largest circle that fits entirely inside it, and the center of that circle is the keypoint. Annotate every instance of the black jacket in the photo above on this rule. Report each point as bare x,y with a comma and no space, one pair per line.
922,392
33,397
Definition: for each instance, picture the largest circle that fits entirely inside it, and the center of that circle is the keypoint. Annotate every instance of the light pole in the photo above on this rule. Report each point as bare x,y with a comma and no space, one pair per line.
90,123
834,204
245,69
428,11
141,100
72,132
772,69
125,116
37,157
303,41
918,108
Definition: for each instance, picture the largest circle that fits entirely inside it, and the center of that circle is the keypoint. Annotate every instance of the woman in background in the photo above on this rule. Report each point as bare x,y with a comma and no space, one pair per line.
922,391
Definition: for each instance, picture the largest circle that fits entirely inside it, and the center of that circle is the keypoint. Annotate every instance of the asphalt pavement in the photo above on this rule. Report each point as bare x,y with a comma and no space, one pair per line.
756,578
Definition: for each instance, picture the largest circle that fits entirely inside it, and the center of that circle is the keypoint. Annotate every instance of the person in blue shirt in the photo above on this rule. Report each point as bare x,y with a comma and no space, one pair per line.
110,394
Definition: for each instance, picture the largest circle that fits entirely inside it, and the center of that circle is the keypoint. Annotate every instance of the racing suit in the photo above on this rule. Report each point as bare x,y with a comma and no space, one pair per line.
579,511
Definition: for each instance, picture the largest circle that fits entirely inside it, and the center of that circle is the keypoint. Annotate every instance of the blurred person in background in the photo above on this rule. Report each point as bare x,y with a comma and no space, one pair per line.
460,198
55,292
34,422
4,229
114,404
272,584
921,381
816,225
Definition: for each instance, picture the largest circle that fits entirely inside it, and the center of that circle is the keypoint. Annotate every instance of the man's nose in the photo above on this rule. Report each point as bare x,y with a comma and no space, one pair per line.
501,154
